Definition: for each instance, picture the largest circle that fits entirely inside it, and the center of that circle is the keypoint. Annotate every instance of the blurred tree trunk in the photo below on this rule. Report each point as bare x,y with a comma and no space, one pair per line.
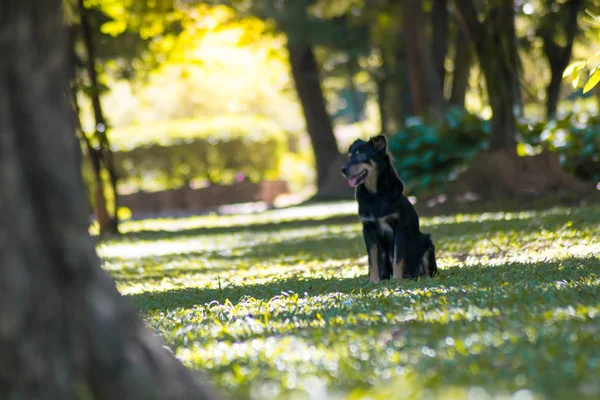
559,56
439,43
494,41
462,68
426,87
65,332
104,152
305,72
390,85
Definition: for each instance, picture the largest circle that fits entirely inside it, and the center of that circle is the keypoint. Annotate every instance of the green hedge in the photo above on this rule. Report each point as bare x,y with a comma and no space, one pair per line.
429,156
170,154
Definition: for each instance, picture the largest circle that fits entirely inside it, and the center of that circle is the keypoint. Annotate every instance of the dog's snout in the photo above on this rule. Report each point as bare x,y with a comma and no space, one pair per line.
345,170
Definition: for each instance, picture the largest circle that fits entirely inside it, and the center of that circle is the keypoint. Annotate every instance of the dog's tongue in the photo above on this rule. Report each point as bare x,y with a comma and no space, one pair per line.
352,181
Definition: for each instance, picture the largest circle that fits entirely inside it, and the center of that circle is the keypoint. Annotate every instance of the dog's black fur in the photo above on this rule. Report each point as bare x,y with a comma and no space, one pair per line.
395,245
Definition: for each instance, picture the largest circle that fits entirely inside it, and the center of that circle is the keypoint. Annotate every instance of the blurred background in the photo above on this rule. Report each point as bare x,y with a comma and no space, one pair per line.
184,107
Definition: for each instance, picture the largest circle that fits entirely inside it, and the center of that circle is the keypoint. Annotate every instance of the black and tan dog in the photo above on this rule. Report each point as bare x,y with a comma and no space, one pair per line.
395,245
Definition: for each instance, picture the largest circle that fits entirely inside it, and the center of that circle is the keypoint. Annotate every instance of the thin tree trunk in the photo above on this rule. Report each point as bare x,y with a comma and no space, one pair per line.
318,124
559,56
498,58
462,69
99,199
426,87
392,109
381,87
439,22
105,152
65,332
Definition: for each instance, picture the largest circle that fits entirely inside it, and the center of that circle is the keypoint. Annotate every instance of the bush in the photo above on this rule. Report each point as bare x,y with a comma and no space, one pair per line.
429,156
171,154
576,137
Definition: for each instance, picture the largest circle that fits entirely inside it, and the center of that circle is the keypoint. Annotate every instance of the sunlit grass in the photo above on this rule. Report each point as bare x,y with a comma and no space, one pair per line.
277,304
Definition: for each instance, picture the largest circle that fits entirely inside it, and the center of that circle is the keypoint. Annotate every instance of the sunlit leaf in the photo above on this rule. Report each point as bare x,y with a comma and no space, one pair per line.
573,68
592,81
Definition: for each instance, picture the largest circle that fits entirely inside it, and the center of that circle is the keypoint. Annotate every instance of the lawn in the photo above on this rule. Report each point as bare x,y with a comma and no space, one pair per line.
278,304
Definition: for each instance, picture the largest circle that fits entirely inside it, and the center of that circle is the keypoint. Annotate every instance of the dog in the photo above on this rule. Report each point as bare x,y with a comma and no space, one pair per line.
396,247
428,261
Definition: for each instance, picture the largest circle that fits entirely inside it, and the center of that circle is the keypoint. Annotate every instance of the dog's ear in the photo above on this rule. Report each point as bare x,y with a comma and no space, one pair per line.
379,142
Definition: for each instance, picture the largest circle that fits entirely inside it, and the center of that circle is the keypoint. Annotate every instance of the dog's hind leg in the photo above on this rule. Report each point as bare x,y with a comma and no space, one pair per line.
428,261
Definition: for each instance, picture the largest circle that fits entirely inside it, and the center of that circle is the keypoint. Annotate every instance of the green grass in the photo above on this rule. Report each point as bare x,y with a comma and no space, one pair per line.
278,305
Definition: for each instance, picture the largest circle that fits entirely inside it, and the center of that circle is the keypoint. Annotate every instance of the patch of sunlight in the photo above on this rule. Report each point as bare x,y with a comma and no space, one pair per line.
308,212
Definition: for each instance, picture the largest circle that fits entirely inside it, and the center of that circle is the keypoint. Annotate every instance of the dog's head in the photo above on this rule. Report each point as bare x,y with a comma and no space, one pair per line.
364,159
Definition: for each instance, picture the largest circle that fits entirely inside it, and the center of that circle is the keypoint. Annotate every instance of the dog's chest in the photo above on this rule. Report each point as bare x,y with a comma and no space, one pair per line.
385,225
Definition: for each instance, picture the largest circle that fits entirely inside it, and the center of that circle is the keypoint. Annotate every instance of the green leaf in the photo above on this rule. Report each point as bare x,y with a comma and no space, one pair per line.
593,81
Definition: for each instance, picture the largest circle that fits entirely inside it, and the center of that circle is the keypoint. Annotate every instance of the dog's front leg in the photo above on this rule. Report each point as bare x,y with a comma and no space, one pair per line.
399,252
373,253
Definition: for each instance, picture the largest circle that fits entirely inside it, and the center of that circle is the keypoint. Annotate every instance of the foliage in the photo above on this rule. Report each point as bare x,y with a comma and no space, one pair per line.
574,70
426,155
576,137
278,304
171,154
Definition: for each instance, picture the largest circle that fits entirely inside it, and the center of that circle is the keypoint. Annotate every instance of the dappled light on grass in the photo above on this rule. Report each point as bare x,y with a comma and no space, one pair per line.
276,304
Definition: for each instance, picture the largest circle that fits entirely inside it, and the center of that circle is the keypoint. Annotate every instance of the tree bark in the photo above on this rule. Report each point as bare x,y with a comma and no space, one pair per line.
426,88
494,41
65,332
104,152
306,76
462,69
559,56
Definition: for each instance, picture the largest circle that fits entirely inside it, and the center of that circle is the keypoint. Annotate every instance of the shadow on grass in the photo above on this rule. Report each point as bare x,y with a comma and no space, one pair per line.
528,224
517,278
189,297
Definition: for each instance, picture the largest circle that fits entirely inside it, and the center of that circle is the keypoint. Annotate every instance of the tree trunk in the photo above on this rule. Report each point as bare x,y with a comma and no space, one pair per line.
499,172
496,49
439,24
462,69
99,200
65,332
104,152
390,85
306,76
559,56
101,212
426,88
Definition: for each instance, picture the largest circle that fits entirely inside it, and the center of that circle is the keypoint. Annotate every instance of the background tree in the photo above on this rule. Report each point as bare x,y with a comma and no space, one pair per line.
500,171
65,332
558,28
